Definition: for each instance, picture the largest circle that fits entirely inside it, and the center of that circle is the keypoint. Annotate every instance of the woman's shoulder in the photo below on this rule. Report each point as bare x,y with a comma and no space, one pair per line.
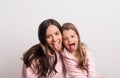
33,53
35,47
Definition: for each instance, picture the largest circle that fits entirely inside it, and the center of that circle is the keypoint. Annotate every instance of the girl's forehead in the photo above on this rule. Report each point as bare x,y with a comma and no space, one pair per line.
68,32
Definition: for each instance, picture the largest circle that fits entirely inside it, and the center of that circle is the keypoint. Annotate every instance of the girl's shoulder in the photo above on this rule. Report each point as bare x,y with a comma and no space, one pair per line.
85,49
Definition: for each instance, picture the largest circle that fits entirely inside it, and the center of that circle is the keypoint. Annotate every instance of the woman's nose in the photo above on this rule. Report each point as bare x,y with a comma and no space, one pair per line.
54,38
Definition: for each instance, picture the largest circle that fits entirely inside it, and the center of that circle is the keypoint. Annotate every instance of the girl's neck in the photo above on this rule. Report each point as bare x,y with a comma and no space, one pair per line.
76,54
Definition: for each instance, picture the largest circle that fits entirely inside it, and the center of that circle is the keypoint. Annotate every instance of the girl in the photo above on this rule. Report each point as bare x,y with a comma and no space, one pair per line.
77,57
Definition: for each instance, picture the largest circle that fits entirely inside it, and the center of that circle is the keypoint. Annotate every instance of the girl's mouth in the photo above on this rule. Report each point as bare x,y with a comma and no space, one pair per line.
72,46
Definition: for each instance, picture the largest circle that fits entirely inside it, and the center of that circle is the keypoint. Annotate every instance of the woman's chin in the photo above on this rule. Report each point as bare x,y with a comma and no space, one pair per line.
57,49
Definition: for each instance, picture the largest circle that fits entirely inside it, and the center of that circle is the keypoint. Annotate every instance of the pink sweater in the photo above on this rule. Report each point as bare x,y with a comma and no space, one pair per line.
71,65
28,72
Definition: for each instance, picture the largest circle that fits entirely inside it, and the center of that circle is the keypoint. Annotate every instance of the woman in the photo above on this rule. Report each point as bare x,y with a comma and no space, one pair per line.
44,60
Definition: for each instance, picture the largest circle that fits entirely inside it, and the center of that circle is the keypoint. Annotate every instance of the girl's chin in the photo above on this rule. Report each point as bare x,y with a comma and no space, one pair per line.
72,50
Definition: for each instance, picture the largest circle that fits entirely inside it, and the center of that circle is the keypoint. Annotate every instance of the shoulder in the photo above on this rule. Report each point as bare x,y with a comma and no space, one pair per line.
33,53
87,51
28,72
36,49
64,51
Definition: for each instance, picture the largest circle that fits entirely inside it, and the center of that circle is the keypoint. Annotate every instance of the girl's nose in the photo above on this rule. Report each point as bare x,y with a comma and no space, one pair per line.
69,39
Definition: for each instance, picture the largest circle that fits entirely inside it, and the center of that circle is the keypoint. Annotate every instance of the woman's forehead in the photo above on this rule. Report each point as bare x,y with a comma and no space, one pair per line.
52,29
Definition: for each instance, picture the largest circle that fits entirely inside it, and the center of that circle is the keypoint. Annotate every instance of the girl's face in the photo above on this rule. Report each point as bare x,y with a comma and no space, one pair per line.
54,38
70,40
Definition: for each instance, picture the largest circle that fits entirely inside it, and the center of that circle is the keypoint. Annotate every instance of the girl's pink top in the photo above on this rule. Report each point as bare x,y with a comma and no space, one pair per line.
61,72
71,65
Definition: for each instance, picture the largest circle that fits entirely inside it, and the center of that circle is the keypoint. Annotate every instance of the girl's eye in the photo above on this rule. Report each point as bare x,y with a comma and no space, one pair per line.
72,36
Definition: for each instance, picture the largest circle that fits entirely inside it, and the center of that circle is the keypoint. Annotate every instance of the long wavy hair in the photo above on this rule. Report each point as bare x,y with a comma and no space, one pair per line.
39,59
82,55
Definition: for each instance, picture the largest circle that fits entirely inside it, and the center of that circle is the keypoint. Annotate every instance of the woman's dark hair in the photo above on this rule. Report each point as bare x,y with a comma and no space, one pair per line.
37,58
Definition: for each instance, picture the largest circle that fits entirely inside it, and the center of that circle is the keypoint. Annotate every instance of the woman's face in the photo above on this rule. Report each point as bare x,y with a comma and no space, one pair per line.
54,38
70,40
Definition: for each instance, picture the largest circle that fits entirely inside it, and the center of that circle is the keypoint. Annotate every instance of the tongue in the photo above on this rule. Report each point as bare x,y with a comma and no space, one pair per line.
57,46
72,47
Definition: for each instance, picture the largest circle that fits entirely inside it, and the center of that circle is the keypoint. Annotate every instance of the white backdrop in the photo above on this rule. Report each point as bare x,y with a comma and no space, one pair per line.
98,22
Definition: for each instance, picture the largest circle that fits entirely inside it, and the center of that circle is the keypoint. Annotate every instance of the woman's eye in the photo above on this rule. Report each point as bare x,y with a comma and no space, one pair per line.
48,36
